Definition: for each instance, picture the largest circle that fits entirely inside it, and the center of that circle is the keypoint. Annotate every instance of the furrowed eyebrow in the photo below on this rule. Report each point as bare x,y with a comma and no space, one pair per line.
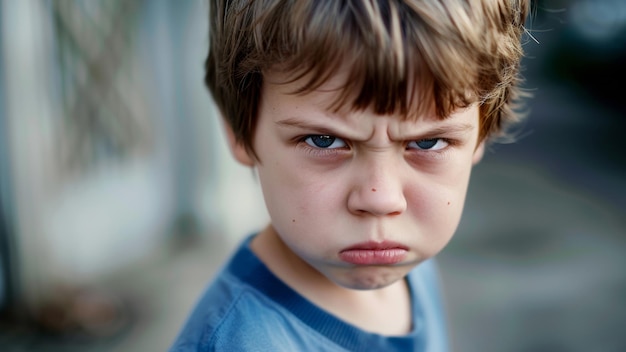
294,122
451,128
442,129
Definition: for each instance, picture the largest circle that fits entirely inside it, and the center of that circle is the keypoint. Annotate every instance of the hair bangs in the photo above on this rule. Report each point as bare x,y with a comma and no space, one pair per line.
378,50
412,58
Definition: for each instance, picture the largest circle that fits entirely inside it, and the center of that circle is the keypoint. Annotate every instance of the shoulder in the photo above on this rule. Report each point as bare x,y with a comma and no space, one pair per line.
246,320
429,309
236,313
228,316
426,275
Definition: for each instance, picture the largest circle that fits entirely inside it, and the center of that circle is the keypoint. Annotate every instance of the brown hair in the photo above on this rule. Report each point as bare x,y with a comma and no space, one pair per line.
400,54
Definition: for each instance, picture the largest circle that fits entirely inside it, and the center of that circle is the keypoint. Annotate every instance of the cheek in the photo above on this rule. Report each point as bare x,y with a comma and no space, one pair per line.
438,205
304,214
317,203
296,196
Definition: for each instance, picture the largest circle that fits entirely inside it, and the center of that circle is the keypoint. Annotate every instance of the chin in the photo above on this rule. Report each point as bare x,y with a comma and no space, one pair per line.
369,281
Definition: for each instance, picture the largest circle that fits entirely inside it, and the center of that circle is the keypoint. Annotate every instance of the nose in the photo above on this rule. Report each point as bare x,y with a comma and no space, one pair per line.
377,190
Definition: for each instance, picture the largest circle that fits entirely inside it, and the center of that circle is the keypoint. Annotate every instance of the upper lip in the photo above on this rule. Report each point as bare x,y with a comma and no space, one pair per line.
372,245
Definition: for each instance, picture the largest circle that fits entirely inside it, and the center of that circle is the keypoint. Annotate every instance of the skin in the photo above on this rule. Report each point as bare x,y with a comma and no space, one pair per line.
381,178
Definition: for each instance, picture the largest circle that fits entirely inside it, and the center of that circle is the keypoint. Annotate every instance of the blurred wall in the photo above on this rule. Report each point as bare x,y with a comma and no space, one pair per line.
112,142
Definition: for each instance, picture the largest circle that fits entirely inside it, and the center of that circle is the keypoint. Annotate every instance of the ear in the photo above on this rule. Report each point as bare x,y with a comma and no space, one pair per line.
478,153
237,149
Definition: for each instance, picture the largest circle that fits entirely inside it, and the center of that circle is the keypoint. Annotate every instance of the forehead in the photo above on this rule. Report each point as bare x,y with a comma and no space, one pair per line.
292,85
337,94
314,111
394,57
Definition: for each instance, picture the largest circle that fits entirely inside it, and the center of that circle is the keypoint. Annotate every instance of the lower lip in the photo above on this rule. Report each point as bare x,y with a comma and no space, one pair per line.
373,256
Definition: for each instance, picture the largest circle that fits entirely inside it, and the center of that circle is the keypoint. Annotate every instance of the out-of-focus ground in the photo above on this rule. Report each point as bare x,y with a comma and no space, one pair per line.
538,261
536,265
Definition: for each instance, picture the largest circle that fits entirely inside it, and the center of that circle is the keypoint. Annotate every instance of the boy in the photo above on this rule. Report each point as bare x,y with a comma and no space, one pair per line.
363,119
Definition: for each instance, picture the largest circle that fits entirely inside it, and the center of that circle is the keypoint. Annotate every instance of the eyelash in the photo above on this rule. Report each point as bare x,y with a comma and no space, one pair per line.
330,152
320,152
447,142
438,154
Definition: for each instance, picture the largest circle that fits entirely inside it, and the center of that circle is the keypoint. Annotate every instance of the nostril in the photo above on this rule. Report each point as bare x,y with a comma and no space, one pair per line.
377,200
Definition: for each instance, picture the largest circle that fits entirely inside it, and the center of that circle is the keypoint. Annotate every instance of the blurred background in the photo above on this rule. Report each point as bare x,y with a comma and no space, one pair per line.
119,200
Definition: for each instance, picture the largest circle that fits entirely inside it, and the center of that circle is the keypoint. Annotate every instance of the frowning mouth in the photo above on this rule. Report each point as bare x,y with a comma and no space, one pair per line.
374,253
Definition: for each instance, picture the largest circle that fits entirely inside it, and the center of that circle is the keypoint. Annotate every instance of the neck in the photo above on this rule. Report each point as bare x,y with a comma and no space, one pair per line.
385,311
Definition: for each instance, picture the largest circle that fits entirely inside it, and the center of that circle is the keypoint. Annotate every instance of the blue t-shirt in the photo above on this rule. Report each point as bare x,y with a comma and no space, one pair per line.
247,308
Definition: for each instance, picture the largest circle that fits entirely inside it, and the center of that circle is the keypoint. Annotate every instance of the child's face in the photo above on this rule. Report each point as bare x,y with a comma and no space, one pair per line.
361,198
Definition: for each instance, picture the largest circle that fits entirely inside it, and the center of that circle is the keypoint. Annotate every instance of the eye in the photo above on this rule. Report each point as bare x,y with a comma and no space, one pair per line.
428,144
324,141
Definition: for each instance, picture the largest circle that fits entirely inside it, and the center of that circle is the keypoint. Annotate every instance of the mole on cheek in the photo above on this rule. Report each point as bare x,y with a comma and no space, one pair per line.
373,189
448,203
294,220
